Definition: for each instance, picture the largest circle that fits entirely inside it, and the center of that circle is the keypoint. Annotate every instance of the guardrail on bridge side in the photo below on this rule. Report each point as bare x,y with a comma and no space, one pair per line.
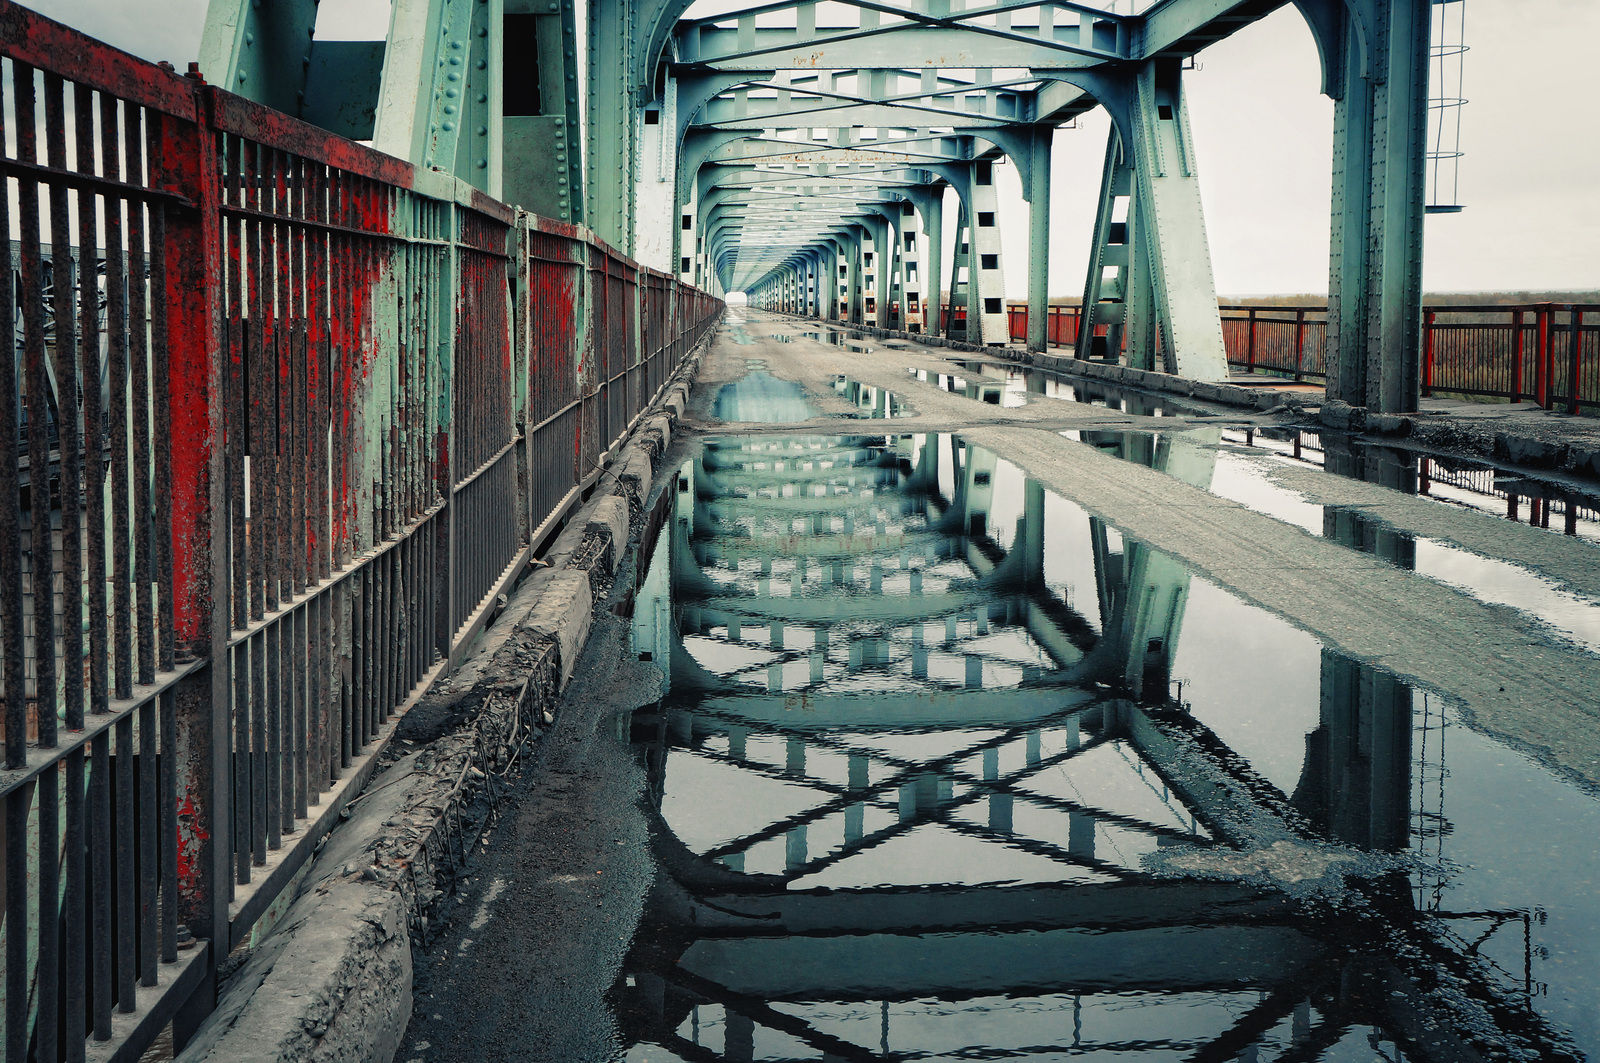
1538,351
289,414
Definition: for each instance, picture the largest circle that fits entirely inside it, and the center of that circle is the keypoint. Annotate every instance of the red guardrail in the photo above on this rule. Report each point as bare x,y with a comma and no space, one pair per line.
1538,351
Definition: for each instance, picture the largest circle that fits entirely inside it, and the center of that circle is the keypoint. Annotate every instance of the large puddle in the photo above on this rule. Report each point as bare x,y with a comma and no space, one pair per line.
758,396
1003,384
947,768
1239,465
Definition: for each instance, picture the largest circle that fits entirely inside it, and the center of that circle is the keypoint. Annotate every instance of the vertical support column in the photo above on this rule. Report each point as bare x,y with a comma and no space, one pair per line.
961,286
912,278
1039,239
1379,188
882,262
612,122
986,297
932,208
687,227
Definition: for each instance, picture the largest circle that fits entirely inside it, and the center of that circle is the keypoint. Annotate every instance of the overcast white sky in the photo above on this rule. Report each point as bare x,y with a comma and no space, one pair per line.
1530,179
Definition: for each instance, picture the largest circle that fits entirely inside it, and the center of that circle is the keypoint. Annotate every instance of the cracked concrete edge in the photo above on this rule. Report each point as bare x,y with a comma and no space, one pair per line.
332,983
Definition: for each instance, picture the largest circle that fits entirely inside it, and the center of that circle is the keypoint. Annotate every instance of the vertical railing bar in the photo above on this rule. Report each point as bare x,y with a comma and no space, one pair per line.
64,311
139,366
162,402
253,375
273,760
41,554
11,600
169,827
117,327
47,977
149,819
127,887
101,889
235,422
17,803
298,715
272,383
239,658
257,838
74,907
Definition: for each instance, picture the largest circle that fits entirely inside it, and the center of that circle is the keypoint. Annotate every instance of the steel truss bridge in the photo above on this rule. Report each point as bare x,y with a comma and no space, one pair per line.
289,321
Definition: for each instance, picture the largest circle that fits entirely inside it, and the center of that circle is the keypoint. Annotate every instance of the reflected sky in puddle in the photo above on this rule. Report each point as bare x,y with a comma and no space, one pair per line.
760,396
1045,384
931,728
1246,478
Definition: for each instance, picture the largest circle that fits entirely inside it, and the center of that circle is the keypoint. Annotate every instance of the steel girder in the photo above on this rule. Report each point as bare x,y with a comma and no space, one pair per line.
943,76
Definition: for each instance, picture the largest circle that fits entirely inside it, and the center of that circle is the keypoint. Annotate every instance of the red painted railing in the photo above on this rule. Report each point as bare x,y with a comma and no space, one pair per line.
1539,351
292,415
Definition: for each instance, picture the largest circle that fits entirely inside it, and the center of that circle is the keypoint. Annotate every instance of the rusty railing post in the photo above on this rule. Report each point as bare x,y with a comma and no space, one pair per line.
1250,350
1516,356
1299,343
1541,356
1428,319
1576,376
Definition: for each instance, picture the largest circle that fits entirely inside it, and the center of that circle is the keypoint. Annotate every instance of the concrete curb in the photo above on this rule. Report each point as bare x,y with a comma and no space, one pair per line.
332,980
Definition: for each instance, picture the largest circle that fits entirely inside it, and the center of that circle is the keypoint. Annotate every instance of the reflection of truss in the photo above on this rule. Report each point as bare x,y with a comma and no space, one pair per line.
858,850
947,790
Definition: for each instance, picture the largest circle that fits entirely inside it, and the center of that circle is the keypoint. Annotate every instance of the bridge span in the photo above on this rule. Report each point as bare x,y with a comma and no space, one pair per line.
323,349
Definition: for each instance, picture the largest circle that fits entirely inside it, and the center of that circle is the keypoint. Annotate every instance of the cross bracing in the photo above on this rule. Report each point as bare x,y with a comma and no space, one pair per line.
679,108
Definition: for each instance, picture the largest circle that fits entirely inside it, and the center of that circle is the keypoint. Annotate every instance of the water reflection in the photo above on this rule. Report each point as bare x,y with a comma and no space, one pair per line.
760,396
1243,478
869,401
933,734
1043,383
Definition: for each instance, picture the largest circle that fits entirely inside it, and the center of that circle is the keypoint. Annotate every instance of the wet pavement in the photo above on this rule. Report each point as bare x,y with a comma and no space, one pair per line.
1038,728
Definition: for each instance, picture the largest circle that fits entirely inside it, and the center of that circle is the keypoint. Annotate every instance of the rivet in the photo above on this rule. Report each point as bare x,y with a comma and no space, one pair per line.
483,164
455,45
483,97
483,131
449,125
482,63
451,93
561,121
241,75
453,76
449,108
455,60
249,38
561,156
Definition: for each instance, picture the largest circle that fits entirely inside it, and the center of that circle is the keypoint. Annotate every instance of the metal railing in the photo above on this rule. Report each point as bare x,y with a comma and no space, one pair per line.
269,385
1538,351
